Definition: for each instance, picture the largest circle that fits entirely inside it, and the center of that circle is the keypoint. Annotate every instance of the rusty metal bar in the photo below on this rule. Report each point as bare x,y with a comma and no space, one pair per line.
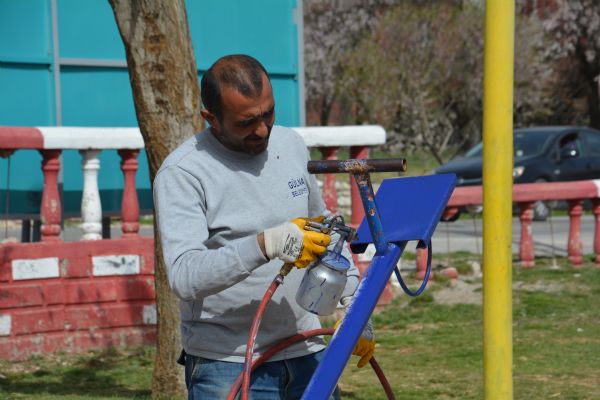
363,180
356,166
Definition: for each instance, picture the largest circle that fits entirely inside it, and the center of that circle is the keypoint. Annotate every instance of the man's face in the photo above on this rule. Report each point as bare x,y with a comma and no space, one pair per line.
246,122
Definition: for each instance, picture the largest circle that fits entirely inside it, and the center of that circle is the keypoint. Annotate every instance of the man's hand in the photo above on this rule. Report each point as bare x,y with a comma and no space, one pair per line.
365,347
290,242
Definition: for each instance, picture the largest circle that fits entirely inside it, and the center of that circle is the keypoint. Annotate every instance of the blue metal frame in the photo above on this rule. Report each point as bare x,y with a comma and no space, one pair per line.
340,348
430,199
410,208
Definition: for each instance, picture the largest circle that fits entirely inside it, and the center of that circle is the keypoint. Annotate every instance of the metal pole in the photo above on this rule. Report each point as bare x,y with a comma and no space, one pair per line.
340,348
497,199
363,181
336,356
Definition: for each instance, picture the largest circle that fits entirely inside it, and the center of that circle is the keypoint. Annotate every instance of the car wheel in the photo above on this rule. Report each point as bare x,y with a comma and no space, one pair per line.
541,209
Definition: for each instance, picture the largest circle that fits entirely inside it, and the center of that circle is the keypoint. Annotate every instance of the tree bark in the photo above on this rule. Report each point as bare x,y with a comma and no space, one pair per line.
163,76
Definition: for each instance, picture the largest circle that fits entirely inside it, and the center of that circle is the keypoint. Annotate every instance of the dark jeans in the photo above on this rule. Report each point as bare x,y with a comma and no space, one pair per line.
275,380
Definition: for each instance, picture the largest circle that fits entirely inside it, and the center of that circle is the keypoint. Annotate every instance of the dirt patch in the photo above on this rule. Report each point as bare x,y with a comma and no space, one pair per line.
460,292
464,292
420,327
540,286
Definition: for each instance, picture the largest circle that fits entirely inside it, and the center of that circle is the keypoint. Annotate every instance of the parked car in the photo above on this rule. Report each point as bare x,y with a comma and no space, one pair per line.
541,154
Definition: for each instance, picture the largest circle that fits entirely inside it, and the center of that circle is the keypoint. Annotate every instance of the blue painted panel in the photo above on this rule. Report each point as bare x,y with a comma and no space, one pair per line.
410,208
24,179
96,97
34,178
27,95
286,95
99,97
23,29
102,96
264,29
87,29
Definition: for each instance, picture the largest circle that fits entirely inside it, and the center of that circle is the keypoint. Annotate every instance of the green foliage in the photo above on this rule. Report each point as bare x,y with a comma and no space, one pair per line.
420,75
574,28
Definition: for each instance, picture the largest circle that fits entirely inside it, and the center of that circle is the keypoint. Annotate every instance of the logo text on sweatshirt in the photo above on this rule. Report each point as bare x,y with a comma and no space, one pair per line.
297,187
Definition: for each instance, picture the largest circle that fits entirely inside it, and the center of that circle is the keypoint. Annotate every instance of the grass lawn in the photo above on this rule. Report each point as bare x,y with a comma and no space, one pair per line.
430,347
110,374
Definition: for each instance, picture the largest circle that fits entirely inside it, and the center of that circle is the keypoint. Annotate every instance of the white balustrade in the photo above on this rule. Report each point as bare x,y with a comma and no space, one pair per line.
90,141
91,208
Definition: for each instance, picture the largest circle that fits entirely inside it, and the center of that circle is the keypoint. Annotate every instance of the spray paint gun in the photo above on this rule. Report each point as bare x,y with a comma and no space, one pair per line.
324,281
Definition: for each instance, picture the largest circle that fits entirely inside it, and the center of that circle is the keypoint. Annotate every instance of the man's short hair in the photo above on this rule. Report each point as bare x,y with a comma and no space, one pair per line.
239,72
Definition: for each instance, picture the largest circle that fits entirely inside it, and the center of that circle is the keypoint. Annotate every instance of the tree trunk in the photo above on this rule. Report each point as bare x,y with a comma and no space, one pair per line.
593,85
163,75
589,76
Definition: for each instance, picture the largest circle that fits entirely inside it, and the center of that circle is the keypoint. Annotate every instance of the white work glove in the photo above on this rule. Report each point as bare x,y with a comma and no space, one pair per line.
365,346
291,243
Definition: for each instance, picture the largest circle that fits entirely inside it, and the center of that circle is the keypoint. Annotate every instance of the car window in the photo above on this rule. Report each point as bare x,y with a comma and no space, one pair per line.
570,146
475,151
529,143
525,144
593,143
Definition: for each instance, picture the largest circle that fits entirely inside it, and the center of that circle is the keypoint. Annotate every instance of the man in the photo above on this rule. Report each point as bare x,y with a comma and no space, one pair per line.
224,199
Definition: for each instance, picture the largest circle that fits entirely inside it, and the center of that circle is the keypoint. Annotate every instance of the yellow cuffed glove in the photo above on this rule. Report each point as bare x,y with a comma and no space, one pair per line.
365,346
291,243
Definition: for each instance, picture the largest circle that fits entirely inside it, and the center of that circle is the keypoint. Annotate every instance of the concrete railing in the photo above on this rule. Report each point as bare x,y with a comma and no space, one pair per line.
72,296
51,141
525,195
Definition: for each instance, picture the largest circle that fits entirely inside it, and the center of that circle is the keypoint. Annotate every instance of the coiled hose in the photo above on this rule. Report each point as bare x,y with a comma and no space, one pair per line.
243,379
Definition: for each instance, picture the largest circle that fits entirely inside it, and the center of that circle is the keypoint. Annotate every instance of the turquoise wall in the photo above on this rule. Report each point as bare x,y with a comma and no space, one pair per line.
93,85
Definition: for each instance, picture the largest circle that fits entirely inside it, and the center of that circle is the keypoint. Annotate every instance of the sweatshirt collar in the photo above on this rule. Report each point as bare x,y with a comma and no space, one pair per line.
218,147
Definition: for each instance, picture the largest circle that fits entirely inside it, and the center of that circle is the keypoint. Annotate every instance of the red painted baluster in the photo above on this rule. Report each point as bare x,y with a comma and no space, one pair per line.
422,264
51,209
575,246
130,208
596,210
358,211
329,190
526,250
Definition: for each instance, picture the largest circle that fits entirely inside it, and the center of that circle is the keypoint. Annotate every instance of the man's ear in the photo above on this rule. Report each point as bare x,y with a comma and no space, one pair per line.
212,120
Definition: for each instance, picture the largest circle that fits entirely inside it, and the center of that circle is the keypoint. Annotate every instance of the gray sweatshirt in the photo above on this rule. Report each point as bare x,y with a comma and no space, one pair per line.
211,203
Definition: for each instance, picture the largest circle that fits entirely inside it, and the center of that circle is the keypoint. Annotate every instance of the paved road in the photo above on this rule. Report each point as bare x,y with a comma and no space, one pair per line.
464,235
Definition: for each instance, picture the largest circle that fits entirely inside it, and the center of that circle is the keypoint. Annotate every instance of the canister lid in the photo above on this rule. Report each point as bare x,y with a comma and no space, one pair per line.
335,261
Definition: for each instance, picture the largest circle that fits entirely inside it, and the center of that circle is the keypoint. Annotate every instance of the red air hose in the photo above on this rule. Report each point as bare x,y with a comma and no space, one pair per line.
298,338
382,379
254,331
249,365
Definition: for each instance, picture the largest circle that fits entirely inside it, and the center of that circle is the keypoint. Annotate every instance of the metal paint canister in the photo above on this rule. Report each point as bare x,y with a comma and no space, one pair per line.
323,283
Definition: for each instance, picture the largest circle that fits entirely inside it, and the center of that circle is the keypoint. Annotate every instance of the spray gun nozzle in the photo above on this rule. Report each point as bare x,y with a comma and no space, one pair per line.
317,227
333,223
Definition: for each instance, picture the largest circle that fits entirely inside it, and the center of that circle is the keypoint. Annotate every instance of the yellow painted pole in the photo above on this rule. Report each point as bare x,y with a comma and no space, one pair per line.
497,198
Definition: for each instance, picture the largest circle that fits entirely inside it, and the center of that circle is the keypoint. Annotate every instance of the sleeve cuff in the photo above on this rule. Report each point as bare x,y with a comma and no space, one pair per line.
250,253
351,285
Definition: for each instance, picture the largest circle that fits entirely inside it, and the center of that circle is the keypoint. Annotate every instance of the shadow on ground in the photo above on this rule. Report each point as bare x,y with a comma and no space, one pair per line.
101,375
